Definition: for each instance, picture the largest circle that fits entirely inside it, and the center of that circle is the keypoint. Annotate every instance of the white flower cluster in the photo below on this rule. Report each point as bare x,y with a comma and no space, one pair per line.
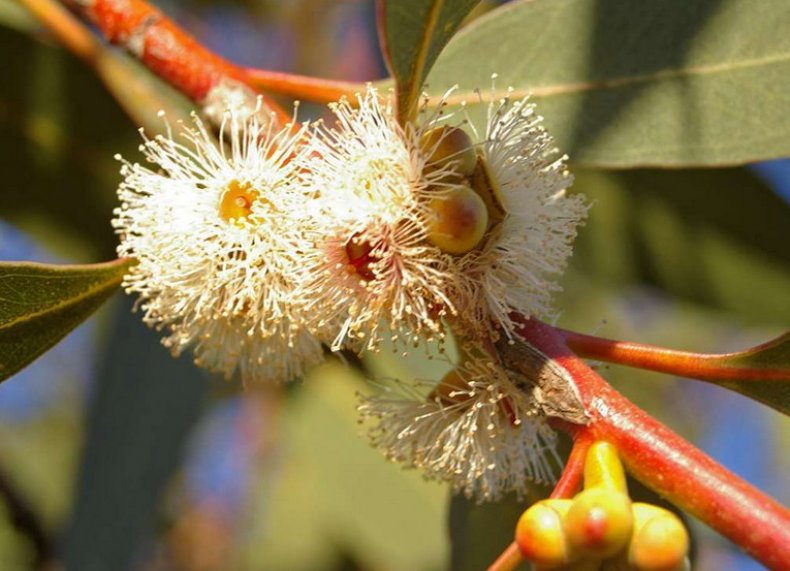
475,429
261,247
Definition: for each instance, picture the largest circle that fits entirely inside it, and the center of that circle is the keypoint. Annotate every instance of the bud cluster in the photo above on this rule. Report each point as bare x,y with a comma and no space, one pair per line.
600,528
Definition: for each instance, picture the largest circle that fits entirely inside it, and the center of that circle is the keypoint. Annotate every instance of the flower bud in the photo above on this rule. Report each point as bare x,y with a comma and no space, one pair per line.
602,468
540,536
660,541
460,220
449,147
599,523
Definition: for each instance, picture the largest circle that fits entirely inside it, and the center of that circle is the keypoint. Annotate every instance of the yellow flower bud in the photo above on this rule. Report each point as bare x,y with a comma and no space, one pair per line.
540,536
660,541
599,523
460,220
449,147
602,468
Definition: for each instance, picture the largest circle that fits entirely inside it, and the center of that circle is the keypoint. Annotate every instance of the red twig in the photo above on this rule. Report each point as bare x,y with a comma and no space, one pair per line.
314,89
706,367
165,49
573,473
669,464
508,560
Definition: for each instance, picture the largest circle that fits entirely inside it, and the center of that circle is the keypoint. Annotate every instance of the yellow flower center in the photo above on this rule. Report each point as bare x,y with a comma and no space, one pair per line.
237,201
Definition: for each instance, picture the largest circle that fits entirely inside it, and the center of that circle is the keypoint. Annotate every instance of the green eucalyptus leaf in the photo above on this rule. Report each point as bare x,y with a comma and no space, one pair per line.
40,304
716,237
772,358
412,33
624,83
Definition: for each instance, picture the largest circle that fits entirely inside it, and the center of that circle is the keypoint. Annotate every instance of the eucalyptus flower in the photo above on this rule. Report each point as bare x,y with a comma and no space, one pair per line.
476,429
216,228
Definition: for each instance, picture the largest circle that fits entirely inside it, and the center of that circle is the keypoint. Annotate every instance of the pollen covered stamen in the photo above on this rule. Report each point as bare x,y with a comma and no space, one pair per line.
236,202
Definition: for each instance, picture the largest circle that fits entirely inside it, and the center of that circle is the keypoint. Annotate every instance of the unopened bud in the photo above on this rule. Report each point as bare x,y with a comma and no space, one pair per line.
602,468
660,541
449,147
599,523
540,536
460,220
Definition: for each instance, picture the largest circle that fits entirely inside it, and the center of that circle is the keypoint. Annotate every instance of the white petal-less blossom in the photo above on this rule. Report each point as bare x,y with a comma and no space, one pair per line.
215,229
516,267
372,268
476,430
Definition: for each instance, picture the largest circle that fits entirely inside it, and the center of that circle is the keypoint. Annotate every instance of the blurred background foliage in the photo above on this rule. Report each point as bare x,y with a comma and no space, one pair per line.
134,460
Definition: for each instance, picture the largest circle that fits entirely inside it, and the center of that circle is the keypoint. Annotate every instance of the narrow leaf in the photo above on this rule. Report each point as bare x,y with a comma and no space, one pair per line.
40,304
412,34
623,83
142,410
771,360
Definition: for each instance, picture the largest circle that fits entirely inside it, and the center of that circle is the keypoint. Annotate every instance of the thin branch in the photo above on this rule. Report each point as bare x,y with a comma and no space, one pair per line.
703,366
664,461
313,89
509,559
166,49
573,473
27,522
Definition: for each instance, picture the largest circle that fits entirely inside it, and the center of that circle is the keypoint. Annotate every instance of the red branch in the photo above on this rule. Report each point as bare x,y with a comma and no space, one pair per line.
509,559
573,473
706,367
164,48
669,464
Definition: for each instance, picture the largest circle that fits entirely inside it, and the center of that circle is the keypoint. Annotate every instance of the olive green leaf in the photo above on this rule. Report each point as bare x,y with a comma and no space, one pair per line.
412,34
624,84
768,368
40,304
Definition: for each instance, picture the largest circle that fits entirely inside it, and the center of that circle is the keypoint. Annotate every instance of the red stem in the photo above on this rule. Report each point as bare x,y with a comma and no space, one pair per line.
669,464
314,89
164,48
706,367
509,559
573,473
